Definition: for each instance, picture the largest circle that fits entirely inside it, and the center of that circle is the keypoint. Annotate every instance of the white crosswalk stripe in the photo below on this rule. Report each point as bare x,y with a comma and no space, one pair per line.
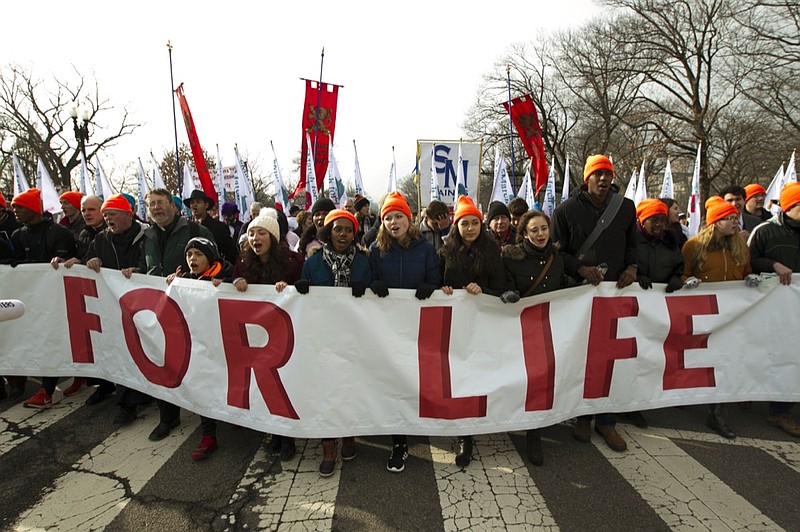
686,495
495,492
97,488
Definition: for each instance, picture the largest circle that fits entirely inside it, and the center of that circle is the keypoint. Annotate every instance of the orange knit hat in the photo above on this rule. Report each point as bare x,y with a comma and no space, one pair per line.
717,209
117,202
335,214
395,202
790,196
31,199
650,207
595,163
753,190
74,198
466,207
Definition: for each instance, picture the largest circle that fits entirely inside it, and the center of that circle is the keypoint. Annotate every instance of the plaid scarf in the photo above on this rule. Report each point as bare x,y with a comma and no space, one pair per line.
339,263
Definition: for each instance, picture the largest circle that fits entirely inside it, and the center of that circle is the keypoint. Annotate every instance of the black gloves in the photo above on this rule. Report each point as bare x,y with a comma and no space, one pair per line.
302,286
424,291
674,284
645,282
358,289
511,296
379,288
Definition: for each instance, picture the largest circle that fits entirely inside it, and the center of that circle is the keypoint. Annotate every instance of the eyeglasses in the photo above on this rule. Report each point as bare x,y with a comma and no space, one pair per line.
731,218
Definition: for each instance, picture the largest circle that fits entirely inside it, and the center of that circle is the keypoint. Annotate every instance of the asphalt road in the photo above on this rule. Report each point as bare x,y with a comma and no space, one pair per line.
69,468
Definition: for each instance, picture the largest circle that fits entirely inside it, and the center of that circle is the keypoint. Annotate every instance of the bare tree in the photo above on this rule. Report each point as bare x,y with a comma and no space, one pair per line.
34,114
681,47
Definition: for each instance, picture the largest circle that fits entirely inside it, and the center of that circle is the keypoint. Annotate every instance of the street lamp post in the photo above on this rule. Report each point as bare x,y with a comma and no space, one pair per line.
81,129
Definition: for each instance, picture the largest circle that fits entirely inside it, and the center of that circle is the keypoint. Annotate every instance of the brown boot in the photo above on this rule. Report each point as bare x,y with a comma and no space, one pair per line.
785,423
582,431
328,465
612,437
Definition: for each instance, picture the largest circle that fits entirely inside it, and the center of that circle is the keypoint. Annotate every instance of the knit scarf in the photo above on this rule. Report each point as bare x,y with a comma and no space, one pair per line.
339,263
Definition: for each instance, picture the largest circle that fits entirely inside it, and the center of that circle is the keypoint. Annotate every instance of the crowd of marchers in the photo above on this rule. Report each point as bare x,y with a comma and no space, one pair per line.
512,252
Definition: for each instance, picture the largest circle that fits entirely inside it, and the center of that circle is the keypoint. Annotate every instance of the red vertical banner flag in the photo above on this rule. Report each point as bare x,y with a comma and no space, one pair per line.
526,120
197,150
319,121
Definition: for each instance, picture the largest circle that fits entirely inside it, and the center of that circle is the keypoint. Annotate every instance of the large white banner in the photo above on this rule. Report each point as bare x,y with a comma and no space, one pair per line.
445,158
327,364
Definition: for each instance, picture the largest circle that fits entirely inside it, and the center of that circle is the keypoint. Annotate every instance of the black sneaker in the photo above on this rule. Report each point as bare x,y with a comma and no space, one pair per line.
397,462
348,451
327,467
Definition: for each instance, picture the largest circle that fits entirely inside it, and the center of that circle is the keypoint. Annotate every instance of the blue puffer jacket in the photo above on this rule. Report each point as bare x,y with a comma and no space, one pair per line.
319,274
405,267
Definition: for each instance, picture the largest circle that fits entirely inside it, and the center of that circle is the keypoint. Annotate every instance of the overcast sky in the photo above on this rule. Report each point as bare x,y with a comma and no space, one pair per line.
410,70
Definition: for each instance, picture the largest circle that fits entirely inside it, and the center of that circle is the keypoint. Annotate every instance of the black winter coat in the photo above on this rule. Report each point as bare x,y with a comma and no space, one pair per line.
524,263
659,260
222,238
117,252
575,219
775,241
491,278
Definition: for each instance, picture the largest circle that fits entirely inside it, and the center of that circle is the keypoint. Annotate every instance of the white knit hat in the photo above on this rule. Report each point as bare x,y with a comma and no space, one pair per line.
267,222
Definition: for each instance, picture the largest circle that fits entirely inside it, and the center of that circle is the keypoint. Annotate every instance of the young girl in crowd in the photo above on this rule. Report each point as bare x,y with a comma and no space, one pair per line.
717,253
268,260
205,263
470,259
309,241
400,258
534,266
674,222
339,262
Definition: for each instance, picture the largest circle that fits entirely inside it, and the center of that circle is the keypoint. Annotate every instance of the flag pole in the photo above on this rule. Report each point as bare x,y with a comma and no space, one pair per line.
511,132
319,103
174,118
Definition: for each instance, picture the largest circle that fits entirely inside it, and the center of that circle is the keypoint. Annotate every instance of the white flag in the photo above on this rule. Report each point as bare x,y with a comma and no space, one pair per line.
694,200
774,191
82,182
501,189
103,184
434,177
220,180
142,189
630,190
244,189
549,203
336,191
359,181
188,186
44,182
667,191
311,174
392,186
281,197
461,178
20,181
565,186
158,181
790,176
526,189
641,187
